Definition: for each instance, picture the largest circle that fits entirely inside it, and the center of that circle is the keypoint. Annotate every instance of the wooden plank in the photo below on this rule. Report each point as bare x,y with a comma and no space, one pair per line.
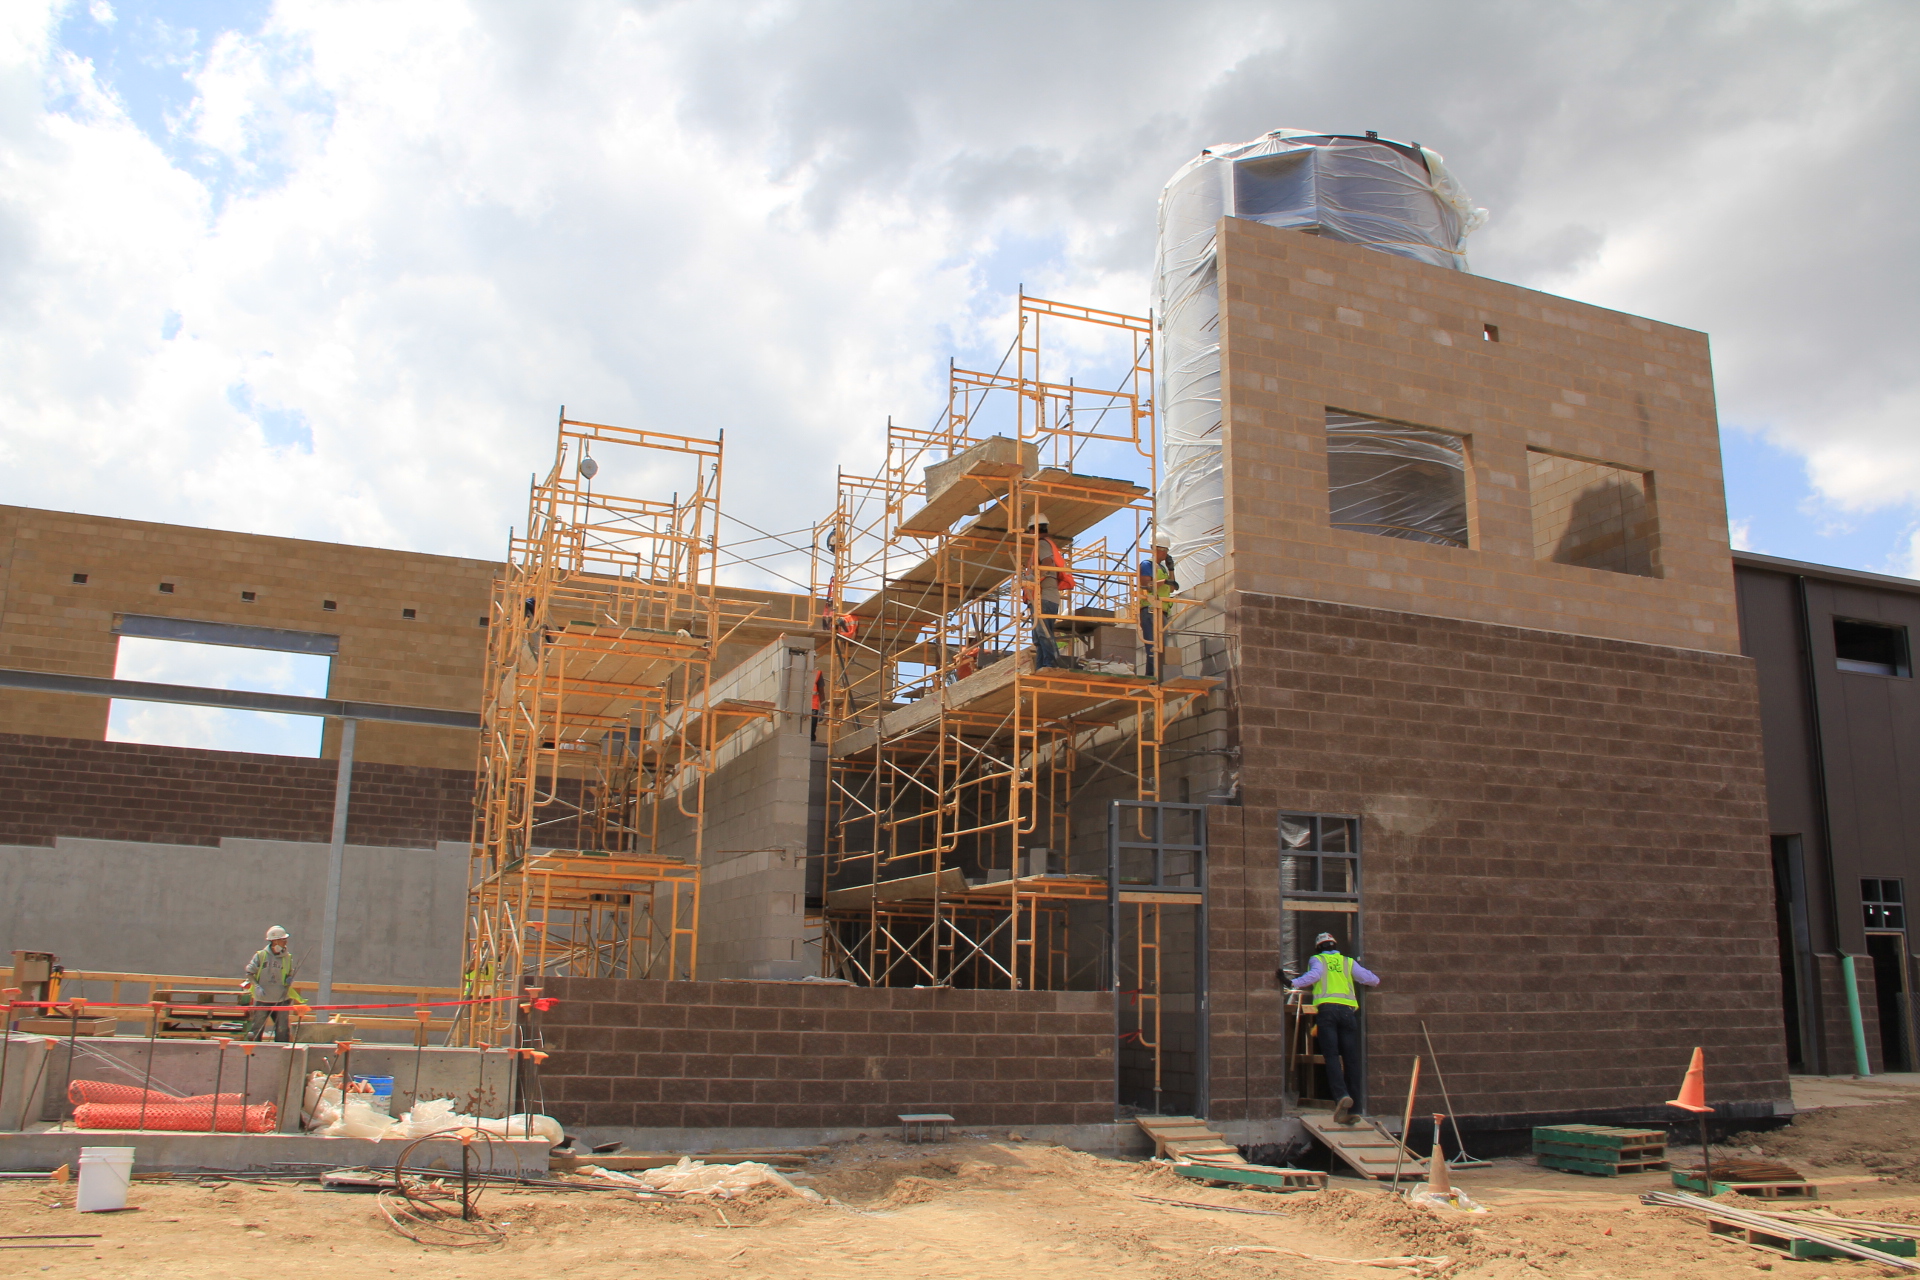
905,889
962,497
1255,1175
1793,1246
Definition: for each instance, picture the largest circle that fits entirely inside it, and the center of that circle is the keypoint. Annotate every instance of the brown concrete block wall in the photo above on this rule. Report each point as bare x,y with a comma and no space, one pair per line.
1309,324
1835,1028
48,622
652,1054
51,787
1566,869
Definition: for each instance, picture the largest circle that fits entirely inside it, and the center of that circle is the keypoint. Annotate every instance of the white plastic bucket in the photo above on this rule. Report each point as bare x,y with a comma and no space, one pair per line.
105,1175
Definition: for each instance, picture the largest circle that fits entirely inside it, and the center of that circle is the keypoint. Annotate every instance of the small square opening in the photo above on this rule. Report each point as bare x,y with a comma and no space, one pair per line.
80,578
1490,332
1870,648
481,622
1592,515
328,605
247,596
406,613
166,588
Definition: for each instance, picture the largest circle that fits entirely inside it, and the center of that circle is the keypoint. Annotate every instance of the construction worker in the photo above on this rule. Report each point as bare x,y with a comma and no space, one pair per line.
1157,586
968,660
269,984
1337,1004
1055,580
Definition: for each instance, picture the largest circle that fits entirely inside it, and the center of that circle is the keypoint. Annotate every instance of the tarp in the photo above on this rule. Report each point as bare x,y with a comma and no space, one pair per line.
1389,196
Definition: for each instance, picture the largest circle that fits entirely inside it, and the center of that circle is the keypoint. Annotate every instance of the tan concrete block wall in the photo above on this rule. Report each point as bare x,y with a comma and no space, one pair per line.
1309,323
50,623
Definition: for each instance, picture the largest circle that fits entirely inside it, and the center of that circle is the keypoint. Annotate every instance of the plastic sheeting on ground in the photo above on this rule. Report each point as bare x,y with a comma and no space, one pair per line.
1386,195
362,1117
692,1177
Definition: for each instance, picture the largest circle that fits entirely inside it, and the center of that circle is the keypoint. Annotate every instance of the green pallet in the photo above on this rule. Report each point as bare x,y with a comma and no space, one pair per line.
1600,1136
1758,1190
1784,1241
1606,1155
1253,1176
1599,1168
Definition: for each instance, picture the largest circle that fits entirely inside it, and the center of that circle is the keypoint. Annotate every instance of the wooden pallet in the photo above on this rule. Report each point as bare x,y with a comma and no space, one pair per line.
1595,1168
1185,1138
1759,1190
1601,1142
1369,1151
1787,1243
1254,1175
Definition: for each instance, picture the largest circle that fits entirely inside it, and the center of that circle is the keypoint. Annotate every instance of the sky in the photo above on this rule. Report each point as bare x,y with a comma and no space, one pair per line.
330,270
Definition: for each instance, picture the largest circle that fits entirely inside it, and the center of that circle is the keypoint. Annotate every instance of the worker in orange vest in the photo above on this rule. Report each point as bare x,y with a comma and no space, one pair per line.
1055,581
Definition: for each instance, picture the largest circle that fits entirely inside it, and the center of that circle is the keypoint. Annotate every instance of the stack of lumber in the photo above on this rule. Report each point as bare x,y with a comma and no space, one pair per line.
1799,1233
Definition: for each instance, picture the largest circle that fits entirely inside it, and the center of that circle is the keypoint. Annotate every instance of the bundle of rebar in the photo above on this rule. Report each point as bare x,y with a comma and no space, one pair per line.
1776,1224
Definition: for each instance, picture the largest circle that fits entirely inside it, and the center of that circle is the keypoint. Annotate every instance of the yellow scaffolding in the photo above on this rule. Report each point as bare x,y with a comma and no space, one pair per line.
950,754
597,732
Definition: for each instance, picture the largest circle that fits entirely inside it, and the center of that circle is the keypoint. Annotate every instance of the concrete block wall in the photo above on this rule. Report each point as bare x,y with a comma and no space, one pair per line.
51,787
1566,872
705,1055
48,622
1310,324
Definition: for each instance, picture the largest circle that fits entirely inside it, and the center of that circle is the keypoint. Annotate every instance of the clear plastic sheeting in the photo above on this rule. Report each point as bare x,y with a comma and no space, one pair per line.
1386,195
1396,481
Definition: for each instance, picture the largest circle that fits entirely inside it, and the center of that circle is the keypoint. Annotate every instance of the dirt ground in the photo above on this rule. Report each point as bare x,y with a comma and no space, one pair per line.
982,1209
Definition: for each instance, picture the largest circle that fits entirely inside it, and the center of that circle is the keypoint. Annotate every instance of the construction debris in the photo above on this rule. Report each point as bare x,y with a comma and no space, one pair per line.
1782,1234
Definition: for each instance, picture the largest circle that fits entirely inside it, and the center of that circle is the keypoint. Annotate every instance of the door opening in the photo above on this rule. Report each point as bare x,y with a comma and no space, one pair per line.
1895,1000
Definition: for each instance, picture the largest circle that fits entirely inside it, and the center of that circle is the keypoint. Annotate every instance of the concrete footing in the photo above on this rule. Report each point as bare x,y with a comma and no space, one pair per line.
260,1152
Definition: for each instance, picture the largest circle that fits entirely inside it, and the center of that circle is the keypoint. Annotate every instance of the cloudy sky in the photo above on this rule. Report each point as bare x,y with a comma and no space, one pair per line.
329,269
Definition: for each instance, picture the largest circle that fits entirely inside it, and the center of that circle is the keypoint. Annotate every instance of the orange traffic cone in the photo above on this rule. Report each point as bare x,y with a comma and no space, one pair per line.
1437,1181
1693,1090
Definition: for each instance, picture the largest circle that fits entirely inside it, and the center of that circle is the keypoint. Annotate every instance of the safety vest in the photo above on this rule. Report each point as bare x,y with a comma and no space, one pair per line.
265,957
1336,981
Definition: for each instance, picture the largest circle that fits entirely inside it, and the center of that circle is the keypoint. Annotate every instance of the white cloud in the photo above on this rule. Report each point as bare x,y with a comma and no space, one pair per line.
1740,534
345,297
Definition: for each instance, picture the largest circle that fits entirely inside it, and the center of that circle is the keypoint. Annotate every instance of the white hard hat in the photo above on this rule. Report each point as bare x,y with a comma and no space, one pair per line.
1039,518
276,934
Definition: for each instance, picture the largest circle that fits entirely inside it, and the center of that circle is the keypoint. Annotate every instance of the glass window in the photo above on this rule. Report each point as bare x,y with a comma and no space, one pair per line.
1870,648
1884,904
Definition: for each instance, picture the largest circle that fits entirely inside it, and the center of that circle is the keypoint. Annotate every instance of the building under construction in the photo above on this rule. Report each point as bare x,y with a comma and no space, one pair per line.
1011,815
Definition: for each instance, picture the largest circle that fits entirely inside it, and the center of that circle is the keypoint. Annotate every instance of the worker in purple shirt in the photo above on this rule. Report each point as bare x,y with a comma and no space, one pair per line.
1332,975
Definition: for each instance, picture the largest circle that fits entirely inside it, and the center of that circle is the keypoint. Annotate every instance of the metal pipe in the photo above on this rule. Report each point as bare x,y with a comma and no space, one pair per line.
1851,979
336,865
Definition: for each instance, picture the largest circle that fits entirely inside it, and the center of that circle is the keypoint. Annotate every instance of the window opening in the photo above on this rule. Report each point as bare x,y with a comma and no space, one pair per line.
1592,515
1888,954
328,605
214,666
1884,903
1396,481
1870,648
80,578
246,595
166,588
1490,333
406,613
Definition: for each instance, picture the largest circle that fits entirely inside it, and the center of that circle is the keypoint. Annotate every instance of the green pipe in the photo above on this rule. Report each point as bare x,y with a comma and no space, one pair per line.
1852,980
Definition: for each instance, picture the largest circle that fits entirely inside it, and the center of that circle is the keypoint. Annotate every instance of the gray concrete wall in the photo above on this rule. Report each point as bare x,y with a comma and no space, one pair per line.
133,907
753,883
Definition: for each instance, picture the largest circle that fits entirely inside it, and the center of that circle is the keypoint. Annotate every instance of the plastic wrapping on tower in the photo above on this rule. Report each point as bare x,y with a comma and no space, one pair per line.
1385,195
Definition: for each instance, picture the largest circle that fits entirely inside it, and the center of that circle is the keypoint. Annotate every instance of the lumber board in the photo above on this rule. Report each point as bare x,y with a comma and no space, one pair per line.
1255,1175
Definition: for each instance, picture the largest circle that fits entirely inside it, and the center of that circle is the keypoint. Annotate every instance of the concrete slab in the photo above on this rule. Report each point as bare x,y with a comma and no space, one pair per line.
257,1152
1105,1139
1854,1091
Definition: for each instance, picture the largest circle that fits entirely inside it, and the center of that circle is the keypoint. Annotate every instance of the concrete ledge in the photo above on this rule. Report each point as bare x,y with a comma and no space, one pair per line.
1124,1140
256,1152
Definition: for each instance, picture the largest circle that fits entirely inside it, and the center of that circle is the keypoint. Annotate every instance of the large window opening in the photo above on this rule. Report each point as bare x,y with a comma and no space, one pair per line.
218,666
1592,515
1870,648
1396,481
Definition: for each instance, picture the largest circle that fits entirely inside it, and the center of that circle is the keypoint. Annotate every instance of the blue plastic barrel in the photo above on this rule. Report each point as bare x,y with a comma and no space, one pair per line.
382,1085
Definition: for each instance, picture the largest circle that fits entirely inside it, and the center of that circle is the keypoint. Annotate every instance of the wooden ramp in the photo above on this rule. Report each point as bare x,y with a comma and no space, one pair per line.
1370,1151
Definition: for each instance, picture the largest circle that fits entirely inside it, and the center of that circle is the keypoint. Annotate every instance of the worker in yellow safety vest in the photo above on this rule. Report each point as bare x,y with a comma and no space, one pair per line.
1336,1001
269,986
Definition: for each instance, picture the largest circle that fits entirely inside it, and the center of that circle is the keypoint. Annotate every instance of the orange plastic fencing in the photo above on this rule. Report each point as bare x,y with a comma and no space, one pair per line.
101,1105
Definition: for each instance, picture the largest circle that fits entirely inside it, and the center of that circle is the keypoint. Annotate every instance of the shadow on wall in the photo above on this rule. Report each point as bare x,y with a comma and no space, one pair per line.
1592,515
